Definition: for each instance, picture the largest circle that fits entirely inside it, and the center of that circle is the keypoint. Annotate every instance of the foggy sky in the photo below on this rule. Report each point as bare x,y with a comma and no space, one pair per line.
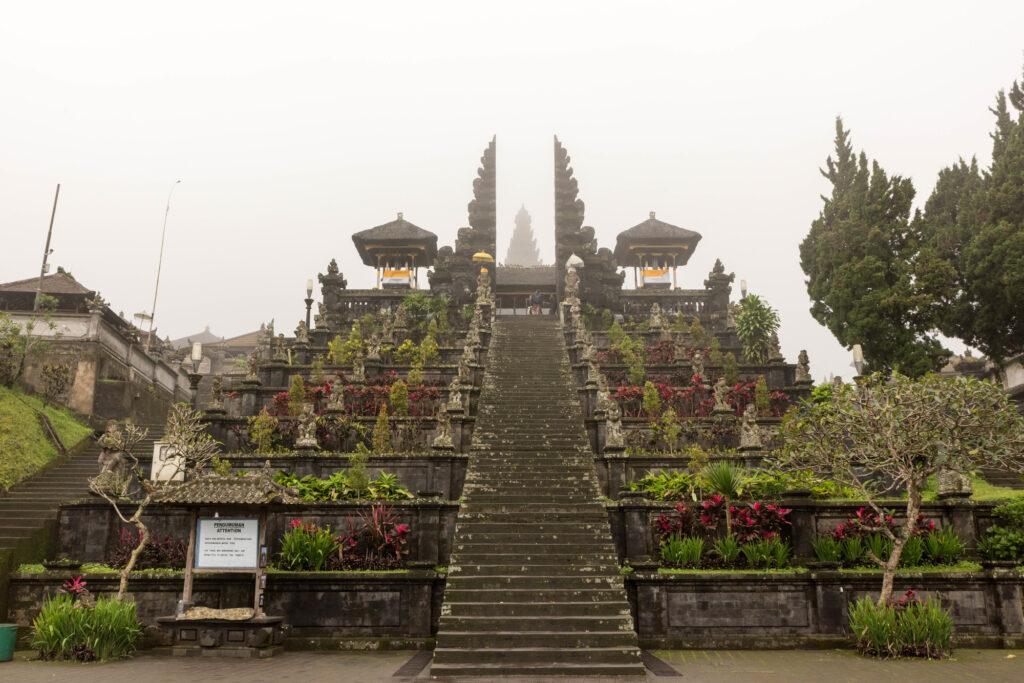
292,127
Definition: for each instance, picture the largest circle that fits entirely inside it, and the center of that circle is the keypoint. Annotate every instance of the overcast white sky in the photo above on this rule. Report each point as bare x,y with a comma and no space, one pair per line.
293,125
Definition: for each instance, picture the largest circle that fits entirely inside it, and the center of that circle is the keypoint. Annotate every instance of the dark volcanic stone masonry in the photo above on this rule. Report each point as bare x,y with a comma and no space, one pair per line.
534,585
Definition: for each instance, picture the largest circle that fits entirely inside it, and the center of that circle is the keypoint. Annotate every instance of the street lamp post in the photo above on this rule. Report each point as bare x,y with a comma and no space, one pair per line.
309,299
194,377
159,265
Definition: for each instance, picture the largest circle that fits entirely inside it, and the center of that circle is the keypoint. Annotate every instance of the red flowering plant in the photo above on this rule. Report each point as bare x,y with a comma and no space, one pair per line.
378,543
80,595
759,521
866,523
662,353
753,522
423,400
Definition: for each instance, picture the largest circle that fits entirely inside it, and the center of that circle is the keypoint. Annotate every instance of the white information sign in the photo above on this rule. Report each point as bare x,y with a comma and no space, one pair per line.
227,543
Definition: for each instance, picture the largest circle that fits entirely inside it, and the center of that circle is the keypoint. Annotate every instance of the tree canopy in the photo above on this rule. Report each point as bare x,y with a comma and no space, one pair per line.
971,263
859,260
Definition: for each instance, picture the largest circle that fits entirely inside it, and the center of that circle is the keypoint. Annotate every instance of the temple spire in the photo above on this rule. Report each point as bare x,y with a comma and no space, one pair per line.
522,248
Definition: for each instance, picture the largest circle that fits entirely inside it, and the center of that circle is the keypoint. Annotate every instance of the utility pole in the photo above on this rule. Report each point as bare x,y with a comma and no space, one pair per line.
46,253
159,265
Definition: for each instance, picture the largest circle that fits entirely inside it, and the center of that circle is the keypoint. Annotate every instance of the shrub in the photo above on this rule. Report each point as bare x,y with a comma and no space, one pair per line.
768,553
906,628
307,547
731,369
651,401
379,543
762,397
1005,541
71,630
913,552
296,395
352,485
879,546
755,323
382,432
698,337
853,551
429,354
715,353
342,353
682,552
161,552
406,353
668,429
263,432
399,398
416,375
668,486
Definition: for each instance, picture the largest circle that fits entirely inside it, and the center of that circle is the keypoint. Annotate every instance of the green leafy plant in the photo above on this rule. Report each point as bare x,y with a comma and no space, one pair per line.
416,374
668,429
342,353
907,628
307,547
879,546
698,336
319,377
682,551
827,549
263,432
715,352
1005,541
853,551
913,552
728,549
755,324
72,630
406,353
762,397
943,547
429,354
679,325
726,480
766,553
296,395
731,370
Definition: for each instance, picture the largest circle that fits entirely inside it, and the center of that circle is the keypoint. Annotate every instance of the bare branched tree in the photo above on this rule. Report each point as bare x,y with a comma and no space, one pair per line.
191,450
888,436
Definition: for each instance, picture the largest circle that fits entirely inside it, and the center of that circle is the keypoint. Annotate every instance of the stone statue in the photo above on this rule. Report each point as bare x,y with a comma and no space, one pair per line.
775,351
730,317
96,303
280,352
387,332
680,350
803,368
837,383
473,336
572,285
721,391
216,394
443,438
401,318
358,369
603,395
336,403
592,372
320,318
750,434
613,438
655,321
697,363
373,348
302,333
307,430
252,367
463,376
454,397
483,286
111,458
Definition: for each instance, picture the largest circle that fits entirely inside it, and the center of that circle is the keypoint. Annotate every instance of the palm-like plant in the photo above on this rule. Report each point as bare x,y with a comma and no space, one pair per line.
755,324
726,480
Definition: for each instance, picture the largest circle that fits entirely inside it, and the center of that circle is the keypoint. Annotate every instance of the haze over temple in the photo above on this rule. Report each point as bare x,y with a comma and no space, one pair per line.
522,248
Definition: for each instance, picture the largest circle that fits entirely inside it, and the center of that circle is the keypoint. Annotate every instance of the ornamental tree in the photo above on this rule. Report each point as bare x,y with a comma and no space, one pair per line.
887,436
755,324
124,485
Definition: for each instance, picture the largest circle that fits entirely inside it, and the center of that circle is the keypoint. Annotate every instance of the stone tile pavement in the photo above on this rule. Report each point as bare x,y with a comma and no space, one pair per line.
796,666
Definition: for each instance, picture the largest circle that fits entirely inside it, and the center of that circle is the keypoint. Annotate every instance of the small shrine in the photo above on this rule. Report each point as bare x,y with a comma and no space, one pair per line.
654,249
397,250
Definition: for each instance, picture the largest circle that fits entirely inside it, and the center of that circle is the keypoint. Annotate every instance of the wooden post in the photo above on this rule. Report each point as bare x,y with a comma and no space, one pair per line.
257,609
190,558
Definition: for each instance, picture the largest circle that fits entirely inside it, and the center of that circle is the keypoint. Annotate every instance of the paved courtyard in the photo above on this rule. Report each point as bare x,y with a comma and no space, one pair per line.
691,665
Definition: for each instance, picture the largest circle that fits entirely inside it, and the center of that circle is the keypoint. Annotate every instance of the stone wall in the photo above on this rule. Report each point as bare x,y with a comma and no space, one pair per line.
810,608
320,607
89,529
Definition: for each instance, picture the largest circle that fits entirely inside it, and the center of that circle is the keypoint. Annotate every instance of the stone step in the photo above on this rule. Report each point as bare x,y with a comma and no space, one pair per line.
488,671
536,566
505,639
594,513
516,657
507,595
543,611
545,527
535,581
574,559
532,624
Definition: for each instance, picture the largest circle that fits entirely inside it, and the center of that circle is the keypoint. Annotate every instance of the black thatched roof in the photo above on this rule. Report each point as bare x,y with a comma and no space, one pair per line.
655,236
251,489
399,237
525,276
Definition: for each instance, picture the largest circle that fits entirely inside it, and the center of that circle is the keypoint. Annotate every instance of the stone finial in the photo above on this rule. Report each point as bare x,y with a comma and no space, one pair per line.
652,215
774,349
803,368
750,434
280,352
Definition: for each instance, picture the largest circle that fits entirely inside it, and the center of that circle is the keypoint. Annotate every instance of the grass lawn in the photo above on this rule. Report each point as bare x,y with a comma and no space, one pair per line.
24,448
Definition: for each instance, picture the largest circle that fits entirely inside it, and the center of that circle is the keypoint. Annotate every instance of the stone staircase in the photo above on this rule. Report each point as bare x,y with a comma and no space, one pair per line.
31,505
534,587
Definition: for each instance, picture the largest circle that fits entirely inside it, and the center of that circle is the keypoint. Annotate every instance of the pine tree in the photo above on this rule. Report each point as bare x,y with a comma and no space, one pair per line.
522,248
972,259
858,258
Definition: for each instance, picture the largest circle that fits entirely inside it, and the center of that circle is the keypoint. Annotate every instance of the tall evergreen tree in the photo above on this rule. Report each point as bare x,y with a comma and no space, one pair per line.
972,256
859,257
